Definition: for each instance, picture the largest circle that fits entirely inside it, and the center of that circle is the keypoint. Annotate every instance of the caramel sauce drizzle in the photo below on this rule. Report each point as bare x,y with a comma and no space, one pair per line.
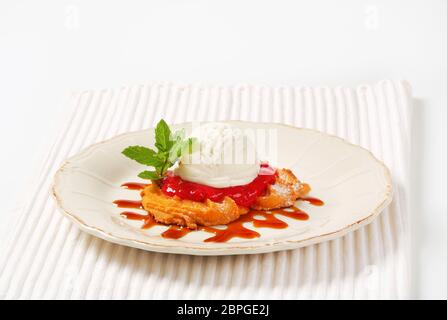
134,185
134,204
313,201
235,229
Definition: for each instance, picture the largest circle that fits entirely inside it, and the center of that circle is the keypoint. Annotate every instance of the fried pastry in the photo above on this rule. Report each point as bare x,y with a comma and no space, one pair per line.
283,193
183,212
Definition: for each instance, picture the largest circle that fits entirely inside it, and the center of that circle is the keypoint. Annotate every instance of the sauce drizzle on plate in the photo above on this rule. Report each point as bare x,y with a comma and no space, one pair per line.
235,229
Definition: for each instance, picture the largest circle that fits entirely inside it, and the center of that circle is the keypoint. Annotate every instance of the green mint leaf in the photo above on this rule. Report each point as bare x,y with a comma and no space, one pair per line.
143,155
162,136
149,175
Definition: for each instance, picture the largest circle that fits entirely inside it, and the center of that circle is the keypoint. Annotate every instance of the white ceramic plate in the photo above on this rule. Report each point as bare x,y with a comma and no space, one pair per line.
354,185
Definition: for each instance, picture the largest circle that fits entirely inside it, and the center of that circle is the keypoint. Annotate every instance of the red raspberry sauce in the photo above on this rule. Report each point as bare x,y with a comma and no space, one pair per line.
244,195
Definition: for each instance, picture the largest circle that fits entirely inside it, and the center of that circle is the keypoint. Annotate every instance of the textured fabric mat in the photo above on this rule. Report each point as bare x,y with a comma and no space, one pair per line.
48,257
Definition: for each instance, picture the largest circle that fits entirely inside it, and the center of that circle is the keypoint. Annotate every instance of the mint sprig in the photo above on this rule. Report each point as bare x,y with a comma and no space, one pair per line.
170,147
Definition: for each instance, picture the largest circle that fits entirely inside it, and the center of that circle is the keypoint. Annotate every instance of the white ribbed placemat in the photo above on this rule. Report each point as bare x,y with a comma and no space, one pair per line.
48,257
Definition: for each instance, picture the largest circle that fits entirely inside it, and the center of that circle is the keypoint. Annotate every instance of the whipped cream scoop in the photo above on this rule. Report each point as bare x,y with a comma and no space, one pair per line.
224,157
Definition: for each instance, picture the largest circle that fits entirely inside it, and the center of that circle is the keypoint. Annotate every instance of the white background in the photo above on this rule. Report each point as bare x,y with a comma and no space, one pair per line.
48,48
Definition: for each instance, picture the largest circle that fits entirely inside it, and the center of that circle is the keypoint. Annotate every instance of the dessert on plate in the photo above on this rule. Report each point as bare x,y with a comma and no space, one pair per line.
212,178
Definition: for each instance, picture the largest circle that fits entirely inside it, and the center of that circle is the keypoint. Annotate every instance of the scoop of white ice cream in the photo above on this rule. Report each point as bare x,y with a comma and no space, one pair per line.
225,157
